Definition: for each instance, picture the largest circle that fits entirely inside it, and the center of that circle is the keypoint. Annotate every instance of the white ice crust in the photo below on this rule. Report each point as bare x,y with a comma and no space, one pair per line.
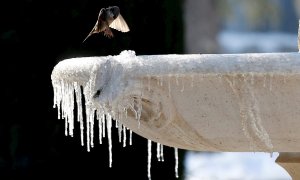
205,102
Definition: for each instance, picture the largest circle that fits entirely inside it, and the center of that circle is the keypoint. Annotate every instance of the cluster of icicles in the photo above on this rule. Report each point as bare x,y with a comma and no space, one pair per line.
64,93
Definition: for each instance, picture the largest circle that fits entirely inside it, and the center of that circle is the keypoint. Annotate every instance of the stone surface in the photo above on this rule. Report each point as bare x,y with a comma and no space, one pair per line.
291,163
237,102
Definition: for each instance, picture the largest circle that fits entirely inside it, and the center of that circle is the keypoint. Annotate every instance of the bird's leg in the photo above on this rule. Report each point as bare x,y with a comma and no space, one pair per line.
108,33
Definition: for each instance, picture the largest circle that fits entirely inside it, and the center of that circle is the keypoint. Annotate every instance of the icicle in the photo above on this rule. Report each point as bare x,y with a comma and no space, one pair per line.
176,162
244,77
71,117
62,95
124,136
182,89
149,78
59,110
55,97
162,152
130,137
89,114
66,127
92,128
149,159
79,110
116,124
220,78
252,78
177,82
158,151
109,122
119,131
81,133
99,127
233,80
169,85
250,116
103,125
67,107
161,81
271,82
192,79
88,129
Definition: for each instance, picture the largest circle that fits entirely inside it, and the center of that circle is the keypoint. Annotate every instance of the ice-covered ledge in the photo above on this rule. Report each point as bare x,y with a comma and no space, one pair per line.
208,102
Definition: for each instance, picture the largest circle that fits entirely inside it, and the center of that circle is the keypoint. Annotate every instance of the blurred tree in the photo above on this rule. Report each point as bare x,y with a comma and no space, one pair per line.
257,15
297,7
201,26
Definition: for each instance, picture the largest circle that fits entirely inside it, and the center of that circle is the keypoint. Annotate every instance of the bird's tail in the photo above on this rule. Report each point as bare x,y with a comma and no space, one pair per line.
94,30
87,37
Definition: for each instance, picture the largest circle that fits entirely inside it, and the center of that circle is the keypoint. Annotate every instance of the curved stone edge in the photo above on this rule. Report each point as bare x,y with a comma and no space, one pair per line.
290,162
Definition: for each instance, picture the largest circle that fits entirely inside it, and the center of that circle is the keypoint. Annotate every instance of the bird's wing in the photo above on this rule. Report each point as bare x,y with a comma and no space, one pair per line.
119,24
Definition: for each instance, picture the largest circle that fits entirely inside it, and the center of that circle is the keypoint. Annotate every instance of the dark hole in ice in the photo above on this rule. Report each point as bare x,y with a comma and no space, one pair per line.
97,94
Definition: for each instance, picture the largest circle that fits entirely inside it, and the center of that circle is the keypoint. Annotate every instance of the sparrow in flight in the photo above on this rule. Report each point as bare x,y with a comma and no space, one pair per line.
109,18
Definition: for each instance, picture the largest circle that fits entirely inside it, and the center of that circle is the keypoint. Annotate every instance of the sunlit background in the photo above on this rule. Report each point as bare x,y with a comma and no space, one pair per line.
239,26
35,35
249,166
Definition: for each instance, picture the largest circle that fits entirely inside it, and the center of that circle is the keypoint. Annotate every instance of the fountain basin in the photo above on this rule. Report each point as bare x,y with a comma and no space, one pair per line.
201,102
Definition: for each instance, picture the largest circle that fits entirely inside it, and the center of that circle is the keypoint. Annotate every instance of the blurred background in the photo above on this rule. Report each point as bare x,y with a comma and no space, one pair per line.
36,35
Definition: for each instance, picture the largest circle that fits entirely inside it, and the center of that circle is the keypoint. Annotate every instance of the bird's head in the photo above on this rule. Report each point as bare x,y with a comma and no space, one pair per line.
114,11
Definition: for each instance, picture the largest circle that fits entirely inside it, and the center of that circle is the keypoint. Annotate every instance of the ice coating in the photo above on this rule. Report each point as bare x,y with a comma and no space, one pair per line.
250,115
176,162
149,158
210,102
125,84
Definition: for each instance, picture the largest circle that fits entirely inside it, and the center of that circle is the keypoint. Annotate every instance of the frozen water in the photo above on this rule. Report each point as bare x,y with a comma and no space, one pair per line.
158,151
149,158
104,82
130,137
250,114
96,81
100,128
124,136
162,153
109,121
176,162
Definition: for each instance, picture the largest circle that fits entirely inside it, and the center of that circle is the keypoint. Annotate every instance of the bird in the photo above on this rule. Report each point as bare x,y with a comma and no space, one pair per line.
109,17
